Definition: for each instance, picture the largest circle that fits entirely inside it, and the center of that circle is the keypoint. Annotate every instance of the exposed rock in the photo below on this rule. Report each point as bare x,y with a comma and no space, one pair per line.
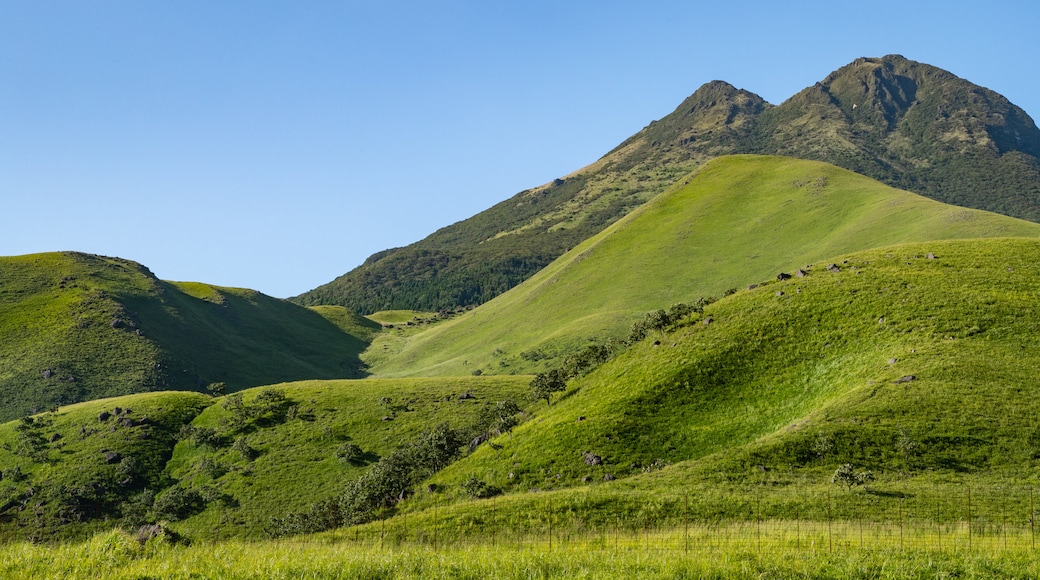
783,276
893,361
127,422
608,477
752,286
466,395
116,323
104,416
833,268
930,256
592,459
476,442
112,457
906,379
55,437
47,373
779,292
801,273
708,320
388,418
586,479
581,418
117,411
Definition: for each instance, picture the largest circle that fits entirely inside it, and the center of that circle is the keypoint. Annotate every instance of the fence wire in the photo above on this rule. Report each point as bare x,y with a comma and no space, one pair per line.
945,519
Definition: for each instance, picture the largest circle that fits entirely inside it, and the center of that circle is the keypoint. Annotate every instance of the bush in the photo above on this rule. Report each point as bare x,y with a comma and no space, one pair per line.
349,453
176,503
478,489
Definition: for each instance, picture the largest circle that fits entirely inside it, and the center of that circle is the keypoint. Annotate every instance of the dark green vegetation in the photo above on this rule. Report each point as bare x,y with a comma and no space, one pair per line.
76,327
317,440
738,221
904,123
69,472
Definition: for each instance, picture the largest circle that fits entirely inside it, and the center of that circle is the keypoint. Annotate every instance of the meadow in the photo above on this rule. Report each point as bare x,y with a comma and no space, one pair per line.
676,553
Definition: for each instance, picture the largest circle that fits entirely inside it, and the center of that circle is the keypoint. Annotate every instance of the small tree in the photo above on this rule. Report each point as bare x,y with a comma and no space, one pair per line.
349,453
847,475
547,383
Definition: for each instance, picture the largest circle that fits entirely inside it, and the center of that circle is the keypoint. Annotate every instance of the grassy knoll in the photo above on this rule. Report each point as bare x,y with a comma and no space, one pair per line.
294,455
115,555
737,221
76,327
71,471
918,370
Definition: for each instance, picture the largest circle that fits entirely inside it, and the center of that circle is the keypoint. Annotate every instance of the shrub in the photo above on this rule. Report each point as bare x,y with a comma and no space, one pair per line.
349,453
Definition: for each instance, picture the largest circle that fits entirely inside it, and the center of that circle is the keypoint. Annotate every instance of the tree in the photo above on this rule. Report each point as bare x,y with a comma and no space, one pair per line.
547,383
847,475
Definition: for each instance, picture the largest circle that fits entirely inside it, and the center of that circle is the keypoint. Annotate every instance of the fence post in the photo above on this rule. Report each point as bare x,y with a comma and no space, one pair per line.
1003,519
646,529
938,522
900,522
758,521
830,536
969,519
686,523
550,524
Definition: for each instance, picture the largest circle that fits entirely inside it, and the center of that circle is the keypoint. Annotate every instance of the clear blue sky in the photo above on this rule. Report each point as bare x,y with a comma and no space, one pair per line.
275,145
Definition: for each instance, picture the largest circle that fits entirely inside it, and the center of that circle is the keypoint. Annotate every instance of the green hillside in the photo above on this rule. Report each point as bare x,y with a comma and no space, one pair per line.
68,472
297,455
907,124
76,327
915,362
219,467
739,220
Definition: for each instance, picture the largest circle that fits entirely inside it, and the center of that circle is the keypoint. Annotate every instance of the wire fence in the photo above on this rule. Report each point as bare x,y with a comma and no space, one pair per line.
945,519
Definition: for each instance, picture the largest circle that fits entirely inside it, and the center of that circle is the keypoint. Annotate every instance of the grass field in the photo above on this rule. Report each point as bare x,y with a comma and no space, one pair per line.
118,556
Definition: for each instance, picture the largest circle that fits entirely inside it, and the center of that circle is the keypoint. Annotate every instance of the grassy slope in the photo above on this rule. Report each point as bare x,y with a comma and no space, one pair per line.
743,401
71,480
739,220
297,463
76,327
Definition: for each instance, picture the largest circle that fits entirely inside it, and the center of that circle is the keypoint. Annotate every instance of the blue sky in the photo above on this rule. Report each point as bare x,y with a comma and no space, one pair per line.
275,145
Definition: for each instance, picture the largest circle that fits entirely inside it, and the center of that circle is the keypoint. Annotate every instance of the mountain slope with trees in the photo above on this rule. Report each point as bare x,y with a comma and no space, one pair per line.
907,124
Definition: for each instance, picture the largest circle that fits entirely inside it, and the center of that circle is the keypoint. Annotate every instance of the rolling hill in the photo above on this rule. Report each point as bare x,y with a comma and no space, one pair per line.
218,467
738,221
76,327
915,362
907,124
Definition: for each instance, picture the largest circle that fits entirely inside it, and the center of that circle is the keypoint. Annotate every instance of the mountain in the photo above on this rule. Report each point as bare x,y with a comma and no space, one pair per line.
76,327
738,221
907,124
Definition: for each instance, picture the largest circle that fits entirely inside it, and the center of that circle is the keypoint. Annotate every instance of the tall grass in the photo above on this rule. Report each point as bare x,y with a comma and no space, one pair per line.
117,556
